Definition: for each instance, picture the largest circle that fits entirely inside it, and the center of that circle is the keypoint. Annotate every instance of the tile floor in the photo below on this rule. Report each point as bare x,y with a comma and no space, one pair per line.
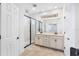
34,50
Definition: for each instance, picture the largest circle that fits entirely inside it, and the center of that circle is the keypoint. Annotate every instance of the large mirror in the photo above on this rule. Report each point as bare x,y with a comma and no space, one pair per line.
51,28
45,27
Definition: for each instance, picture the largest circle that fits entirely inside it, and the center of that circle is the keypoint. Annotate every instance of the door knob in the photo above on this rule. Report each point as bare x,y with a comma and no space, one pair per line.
68,38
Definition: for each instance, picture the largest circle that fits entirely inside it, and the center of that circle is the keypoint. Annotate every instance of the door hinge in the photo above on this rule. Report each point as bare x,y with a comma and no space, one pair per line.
0,37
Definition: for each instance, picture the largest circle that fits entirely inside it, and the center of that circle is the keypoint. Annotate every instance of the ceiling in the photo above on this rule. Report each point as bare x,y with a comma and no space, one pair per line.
40,7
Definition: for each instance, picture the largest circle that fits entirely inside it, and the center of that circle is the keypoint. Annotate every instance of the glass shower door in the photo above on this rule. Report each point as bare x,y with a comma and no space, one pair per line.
33,30
27,31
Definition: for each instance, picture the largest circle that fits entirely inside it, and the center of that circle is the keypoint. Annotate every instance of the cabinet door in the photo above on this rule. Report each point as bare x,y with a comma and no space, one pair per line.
46,40
52,42
40,39
36,39
59,44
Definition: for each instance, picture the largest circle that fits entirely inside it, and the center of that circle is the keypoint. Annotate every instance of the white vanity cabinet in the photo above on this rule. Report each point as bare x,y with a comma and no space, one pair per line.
38,39
50,40
59,42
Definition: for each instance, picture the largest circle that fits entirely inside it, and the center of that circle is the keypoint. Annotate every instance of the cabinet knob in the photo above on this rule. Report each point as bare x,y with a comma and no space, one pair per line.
17,37
55,40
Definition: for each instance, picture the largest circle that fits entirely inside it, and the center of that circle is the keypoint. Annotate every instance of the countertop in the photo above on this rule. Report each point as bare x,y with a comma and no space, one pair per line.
50,34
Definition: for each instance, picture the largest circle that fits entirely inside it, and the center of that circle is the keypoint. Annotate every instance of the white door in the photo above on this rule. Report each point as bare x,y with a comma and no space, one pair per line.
9,29
26,31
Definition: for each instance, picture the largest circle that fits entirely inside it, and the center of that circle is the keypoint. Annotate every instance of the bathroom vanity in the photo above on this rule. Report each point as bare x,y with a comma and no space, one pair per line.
51,40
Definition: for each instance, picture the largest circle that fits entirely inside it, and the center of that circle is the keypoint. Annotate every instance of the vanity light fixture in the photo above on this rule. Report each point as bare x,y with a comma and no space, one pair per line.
50,16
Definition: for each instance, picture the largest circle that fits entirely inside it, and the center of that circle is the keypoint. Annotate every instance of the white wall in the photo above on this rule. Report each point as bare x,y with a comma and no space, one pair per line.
0,28
0,18
69,27
77,25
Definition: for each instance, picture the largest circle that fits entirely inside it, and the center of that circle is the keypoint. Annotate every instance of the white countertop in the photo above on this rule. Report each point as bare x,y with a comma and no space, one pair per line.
50,34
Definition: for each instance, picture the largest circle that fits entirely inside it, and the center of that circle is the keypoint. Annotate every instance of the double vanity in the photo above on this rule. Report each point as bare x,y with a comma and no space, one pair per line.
50,40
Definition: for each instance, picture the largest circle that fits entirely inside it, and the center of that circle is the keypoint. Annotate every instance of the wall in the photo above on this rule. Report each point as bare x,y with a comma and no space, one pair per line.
0,18
69,28
0,28
77,26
